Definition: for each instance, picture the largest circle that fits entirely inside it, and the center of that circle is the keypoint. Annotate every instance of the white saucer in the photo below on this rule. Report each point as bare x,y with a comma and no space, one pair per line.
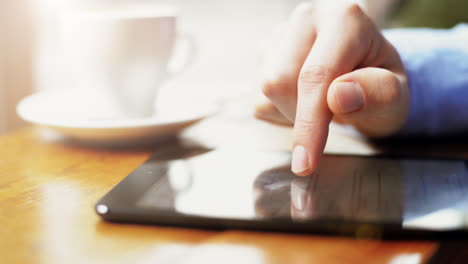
82,116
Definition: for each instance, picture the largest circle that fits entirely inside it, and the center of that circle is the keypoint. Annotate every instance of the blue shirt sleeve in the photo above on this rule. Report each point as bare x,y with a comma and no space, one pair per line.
436,62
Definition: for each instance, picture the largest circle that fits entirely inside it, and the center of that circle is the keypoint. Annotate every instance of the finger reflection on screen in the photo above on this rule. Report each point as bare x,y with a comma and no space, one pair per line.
351,188
272,191
303,199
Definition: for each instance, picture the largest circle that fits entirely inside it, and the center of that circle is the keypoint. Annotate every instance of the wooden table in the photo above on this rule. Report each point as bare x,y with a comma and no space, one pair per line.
48,189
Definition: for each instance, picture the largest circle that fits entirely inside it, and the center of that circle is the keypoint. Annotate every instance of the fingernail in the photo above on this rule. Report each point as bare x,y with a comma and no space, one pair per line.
349,96
300,161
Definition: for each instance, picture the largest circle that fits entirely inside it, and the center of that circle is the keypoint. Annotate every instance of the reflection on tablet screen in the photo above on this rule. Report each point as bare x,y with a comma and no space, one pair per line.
258,185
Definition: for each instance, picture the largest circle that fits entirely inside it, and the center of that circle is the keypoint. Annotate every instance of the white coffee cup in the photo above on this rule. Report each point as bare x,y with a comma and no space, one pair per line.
123,53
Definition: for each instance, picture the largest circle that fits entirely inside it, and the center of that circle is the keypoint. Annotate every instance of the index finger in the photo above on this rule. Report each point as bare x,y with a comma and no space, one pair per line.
337,50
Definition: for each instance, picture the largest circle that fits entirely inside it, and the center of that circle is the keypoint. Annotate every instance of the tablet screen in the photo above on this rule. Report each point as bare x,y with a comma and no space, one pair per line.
235,184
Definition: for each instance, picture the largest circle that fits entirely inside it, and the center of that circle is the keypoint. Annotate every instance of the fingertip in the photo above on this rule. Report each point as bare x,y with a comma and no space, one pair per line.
302,164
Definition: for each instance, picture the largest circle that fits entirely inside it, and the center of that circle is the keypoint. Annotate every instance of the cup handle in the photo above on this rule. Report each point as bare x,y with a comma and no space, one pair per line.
184,55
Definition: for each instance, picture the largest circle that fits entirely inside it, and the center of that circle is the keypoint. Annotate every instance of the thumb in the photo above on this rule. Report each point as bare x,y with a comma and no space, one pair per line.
374,100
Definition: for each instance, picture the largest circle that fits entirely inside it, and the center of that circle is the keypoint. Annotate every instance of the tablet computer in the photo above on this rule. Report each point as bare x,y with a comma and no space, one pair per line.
366,197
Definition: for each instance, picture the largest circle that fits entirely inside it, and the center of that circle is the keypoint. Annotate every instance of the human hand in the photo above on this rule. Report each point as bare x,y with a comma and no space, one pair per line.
332,63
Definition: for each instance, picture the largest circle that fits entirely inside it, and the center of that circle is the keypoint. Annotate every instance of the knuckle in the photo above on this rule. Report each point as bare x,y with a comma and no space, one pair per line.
315,74
351,16
306,127
303,9
352,9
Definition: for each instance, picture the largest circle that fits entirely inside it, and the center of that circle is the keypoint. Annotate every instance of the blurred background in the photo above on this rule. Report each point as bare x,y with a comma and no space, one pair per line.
229,37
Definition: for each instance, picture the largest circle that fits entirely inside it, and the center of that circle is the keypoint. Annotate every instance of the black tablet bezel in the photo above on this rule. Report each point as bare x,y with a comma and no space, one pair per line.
120,206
